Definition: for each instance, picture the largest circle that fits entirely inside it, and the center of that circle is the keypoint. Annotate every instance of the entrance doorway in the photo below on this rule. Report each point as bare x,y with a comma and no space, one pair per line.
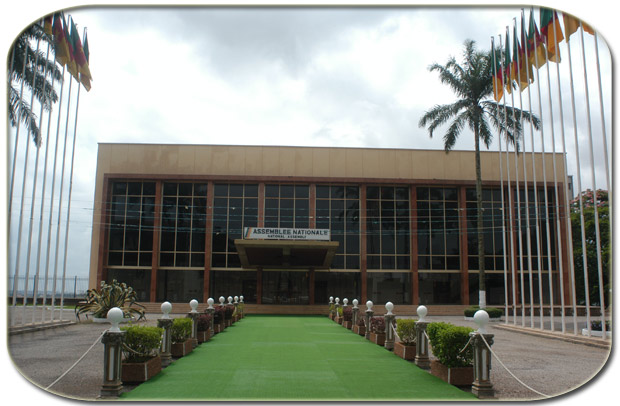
286,287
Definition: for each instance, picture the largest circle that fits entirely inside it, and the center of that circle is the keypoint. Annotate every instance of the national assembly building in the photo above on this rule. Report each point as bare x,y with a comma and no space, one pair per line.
288,227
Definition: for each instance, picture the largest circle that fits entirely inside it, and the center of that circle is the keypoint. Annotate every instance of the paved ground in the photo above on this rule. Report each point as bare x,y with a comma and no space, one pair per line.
551,366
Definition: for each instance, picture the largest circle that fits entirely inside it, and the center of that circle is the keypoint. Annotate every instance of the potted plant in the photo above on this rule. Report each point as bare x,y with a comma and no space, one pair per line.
377,330
453,364
99,301
180,334
360,326
347,317
229,310
339,316
141,360
203,327
405,348
218,319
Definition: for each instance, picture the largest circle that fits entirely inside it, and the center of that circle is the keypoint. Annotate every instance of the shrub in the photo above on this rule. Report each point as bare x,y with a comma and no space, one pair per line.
405,328
360,321
141,342
181,330
229,310
597,325
377,325
99,302
494,312
203,322
447,341
347,313
218,315
340,312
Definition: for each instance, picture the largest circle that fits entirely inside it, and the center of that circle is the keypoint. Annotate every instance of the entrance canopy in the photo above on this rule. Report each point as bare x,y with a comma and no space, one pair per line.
285,254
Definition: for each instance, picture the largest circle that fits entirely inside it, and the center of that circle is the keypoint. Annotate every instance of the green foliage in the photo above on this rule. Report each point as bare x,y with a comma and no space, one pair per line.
229,310
405,328
99,302
141,342
493,312
340,311
181,330
447,341
602,206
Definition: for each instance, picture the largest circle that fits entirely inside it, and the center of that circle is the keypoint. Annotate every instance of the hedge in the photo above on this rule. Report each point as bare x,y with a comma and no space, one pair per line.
447,341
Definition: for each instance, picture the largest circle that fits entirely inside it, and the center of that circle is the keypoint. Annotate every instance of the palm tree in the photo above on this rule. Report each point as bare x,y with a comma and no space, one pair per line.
475,109
25,47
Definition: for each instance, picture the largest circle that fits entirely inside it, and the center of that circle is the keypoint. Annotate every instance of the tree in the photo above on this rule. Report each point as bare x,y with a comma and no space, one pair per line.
472,83
602,207
22,74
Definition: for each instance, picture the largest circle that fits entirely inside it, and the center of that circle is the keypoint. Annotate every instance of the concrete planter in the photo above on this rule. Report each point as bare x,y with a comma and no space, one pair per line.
136,372
179,350
461,376
361,330
378,338
338,319
347,324
405,351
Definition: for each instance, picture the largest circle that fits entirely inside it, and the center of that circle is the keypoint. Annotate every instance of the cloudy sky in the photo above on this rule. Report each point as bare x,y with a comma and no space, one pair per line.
309,76
347,76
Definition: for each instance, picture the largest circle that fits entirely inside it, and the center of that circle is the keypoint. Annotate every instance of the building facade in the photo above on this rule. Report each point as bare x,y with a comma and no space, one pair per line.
169,220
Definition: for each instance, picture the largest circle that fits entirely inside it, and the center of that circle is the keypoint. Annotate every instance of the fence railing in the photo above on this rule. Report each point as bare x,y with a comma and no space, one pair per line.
73,287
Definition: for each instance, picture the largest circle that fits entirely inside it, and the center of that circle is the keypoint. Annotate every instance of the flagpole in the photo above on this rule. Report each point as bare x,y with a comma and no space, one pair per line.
536,217
49,230
519,234
596,221
513,261
501,175
36,277
42,215
557,200
21,94
64,270
528,237
21,211
581,217
567,208
62,178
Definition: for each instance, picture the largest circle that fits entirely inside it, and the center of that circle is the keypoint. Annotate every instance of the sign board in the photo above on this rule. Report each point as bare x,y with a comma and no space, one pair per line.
265,233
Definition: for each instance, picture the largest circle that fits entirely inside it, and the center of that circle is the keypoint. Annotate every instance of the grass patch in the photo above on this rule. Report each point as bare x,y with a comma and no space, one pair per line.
309,358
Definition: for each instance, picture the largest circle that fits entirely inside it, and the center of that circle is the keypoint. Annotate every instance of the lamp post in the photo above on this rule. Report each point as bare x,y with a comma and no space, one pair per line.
369,314
112,341
421,350
389,331
193,314
165,322
482,386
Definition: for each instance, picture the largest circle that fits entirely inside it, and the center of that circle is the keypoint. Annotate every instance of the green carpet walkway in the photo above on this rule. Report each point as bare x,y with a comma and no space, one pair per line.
293,358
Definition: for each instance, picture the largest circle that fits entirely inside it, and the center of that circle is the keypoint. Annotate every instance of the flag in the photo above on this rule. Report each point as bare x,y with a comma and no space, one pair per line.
535,46
61,46
79,56
71,63
571,24
507,64
525,69
514,68
83,78
551,32
498,82
47,25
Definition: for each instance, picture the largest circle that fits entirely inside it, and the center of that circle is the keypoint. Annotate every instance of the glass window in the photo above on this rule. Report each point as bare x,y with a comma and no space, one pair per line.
176,285
337,208
138,279
387,227
182,238
438,229
386,287
336,284
233,283
285,287
235,207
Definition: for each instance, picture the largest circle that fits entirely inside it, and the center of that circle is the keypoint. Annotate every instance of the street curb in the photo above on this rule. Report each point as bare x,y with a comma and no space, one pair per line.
589,341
